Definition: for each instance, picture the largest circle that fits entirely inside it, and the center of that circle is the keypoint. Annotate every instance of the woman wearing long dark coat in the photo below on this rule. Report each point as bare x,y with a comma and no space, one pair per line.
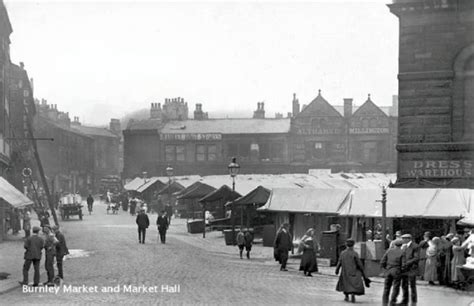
308,244
352,274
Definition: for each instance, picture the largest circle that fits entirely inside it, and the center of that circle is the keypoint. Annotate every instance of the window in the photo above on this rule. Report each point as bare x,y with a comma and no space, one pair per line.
212,152
200,152
319,150
365,123
278,149
373,123
206,152
175,153
369,152
232,150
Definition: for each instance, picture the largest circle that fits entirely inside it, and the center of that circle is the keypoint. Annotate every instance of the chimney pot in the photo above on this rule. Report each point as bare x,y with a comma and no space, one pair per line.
347,107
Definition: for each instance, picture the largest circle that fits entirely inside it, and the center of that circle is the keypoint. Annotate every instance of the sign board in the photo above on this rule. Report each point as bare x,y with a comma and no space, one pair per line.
318,131
192,136
437,168
369,131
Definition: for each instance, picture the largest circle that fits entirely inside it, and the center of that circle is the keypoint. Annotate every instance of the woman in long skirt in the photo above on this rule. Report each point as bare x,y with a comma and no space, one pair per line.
431,266
352,274
458,259
309,245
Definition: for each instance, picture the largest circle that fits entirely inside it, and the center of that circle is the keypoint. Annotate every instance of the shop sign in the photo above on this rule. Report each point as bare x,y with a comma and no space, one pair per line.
437,168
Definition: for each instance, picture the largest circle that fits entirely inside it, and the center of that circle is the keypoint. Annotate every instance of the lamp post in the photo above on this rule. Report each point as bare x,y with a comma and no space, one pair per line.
233,171
384,215
169,173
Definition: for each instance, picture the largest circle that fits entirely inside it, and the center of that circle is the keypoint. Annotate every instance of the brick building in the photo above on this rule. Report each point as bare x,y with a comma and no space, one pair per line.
436,90
320,136
5,133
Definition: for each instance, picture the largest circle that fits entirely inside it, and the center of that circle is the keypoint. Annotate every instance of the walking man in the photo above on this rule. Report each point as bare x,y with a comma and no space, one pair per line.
34,246
169,212
411,253
90,202
392,261
50,251
61,250
162,223
283,244
143,222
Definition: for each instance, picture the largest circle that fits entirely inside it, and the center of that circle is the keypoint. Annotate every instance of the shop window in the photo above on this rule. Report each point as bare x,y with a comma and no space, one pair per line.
369,152
232,150
180,156
278,149
175,153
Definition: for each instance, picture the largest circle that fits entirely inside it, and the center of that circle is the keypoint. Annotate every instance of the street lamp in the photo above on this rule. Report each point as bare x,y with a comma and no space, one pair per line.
233,171
169,173
144,174
384,214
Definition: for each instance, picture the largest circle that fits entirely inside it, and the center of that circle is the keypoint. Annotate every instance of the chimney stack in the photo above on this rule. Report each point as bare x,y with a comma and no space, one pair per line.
114,126
155,111
260,112
296,105
199,114
347,108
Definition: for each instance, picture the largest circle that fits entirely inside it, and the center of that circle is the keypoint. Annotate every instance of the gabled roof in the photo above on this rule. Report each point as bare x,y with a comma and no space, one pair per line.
172,188
195,191
258,196
228,126
150,182
318,104
370,108
94,131
224,193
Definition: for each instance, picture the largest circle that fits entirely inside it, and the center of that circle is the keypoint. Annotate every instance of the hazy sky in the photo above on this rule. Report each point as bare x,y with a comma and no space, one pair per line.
101,59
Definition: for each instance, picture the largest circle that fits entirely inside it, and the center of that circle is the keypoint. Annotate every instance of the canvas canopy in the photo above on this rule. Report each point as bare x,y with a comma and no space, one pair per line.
13,196
134,184
325,201
223,193
401,202
148,183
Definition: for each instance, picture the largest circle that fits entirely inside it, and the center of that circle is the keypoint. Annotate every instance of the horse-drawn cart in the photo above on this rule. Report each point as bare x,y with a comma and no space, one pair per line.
70,205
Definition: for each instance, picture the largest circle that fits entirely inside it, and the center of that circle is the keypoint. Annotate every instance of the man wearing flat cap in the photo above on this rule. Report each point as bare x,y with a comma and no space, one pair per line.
33,248
392,261
412,256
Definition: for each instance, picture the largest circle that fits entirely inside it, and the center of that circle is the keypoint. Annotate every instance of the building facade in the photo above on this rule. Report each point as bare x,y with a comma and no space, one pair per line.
436,90
5,133
319,136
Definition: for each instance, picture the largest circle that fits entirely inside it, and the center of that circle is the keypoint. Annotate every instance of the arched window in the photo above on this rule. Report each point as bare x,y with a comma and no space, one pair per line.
373,122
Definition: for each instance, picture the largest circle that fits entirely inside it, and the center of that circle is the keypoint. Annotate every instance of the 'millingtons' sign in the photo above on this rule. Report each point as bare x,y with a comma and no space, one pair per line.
192,136
437,168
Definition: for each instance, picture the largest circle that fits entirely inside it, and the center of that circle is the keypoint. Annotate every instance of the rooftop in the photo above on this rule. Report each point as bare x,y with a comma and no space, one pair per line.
94,131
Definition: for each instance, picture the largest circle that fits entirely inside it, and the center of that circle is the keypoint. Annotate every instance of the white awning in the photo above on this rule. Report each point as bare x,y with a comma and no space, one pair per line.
13,196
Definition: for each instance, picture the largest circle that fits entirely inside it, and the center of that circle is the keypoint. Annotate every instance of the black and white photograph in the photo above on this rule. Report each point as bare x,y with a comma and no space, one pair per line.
237,152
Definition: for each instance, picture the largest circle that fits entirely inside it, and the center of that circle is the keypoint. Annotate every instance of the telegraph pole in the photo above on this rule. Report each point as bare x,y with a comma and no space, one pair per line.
384,215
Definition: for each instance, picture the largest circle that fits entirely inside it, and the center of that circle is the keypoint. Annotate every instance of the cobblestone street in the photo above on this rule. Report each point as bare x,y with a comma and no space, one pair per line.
207,271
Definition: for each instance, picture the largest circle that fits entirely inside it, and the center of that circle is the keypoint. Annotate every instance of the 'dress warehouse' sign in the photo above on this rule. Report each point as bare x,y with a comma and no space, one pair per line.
438,168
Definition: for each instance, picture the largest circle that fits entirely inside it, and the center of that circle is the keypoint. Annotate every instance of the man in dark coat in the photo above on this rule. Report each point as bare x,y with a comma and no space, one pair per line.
162,223
392,261
411,253
34,246
50,251
61,250
351,279
143,222
90,202
133,206
283,244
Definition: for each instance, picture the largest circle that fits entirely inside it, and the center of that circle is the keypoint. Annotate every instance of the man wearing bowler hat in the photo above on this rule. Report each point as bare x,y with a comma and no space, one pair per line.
34,246
411,253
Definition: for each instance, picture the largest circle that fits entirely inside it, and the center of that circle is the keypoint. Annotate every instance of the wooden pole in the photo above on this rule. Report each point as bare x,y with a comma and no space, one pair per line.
40,168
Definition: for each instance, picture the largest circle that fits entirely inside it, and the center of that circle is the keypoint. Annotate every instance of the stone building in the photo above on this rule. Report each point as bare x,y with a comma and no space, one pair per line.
105,149
436,92
5,134
319,136
68,161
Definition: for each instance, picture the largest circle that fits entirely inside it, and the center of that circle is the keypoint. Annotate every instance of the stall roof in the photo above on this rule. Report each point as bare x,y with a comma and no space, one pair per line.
306,200
13,196
134,184
257,196
150,182
174,187
404,202
223,193
195,191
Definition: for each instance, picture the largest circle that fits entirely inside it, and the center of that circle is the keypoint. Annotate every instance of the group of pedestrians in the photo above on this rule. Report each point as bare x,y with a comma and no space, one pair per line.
15,218
143,222
54,245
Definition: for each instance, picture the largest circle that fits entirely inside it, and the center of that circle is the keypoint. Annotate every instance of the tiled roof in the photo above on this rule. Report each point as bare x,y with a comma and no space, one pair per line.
228,126
60,126
386,109
93,131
